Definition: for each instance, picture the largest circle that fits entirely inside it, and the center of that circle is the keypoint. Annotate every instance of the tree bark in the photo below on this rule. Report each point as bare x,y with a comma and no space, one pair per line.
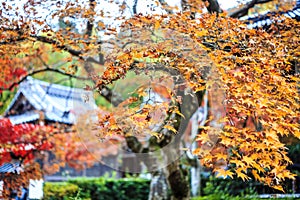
178,180
158,186
244,10
213,6
108,94
134,10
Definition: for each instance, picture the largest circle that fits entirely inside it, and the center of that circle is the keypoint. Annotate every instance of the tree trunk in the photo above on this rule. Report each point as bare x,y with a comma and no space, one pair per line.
213,6
178,181
158,186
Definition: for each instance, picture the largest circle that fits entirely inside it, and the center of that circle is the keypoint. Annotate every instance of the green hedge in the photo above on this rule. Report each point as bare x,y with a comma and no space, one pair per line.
100,189
236,187
138,189
59,191
213,188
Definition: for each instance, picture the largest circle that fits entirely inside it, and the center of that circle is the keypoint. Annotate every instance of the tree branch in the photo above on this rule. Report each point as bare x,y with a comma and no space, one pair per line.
48,40
113,98
57,45
166,6
40,71
90,21
213,6
134,7
106,92
244,10
66,48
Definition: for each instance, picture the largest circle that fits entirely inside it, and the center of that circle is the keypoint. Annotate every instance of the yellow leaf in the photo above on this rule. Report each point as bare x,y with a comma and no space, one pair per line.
239,74
179,113
248,160
238,163
258,167
278,187
170,128
220,156
201,33
156,25
255,174
224,173
241,175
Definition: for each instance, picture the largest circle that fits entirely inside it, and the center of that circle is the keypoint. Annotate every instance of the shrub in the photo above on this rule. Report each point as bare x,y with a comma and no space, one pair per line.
59,191
104,189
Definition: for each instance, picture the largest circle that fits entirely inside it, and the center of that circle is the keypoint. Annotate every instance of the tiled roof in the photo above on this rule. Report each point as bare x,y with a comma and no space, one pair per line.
10,168
57,102
265,20
23,118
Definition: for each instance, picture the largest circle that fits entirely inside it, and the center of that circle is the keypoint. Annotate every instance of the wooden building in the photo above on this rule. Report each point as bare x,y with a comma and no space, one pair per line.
45,103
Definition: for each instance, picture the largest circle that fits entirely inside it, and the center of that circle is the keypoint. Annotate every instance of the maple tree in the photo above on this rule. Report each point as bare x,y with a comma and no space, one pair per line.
249,74
19,143
257,84
39,150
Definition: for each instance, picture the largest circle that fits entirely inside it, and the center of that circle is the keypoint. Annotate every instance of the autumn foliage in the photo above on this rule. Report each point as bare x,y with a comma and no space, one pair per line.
38,150
252,70
250,75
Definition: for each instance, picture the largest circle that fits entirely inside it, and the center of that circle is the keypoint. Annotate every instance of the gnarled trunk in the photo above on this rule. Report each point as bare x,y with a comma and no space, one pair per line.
158,186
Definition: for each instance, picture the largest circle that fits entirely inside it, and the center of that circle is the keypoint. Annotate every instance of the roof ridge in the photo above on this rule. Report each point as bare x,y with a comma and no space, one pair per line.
54,85
56,101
